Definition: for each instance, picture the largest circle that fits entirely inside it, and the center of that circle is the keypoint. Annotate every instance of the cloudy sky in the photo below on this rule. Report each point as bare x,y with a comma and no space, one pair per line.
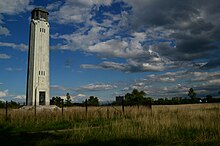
107,48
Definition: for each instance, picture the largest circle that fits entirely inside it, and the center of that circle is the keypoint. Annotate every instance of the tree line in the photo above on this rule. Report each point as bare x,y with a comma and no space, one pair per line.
136,97
58,101
139,98
10,104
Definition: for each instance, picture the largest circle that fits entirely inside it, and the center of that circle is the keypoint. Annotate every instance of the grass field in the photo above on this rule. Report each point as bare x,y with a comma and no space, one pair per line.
197,124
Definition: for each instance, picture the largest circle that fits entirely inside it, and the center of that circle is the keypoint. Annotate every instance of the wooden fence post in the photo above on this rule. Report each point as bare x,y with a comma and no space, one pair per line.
123,106
86,107
107,113
6,110
62,107
35,103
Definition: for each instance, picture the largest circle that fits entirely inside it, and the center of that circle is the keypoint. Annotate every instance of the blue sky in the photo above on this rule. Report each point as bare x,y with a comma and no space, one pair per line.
107,48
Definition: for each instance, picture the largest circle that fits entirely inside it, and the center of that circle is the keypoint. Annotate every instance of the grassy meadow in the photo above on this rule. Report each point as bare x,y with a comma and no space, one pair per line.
196,124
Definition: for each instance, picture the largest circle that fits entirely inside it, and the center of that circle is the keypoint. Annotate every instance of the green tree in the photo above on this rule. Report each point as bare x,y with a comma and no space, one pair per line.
136,97
148,100
192,95
56,101
160,101
13,104
176,100
209,98
68,100
94,101
2,104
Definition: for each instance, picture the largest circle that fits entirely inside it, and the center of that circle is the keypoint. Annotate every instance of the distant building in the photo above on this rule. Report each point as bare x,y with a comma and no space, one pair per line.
119,99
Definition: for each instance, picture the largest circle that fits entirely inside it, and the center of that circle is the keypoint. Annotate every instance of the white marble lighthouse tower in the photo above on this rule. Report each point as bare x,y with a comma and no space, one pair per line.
38,85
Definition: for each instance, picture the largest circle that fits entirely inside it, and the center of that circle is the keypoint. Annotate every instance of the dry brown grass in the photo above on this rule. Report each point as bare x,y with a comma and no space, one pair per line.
171,124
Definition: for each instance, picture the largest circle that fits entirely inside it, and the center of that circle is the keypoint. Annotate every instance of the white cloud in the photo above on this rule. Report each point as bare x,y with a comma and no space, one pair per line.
79,98
105,65
13,6
129,67
4,56
13,69
54,6
74,40
3,100
97,87
21,47
3,93
4,30
1,18
81,95
104,39
214,81
145,49
153,66
117,48
93,32
167,79
19,97
177,83
76,11
58,87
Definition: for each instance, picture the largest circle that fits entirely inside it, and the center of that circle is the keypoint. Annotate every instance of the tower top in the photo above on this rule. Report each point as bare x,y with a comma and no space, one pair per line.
39,14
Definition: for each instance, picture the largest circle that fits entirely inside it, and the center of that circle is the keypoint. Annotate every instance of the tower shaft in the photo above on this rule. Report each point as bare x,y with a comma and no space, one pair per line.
38,85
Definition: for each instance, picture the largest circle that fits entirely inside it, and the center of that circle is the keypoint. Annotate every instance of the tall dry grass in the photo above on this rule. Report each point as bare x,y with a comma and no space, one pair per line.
173,124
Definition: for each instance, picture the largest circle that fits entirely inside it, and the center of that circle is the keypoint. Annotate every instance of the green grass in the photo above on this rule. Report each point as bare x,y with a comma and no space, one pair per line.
164,125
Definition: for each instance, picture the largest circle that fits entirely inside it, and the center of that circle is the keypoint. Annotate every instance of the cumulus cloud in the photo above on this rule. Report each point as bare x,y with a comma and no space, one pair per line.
3,93
82,92
105,65
130,67
193,25
4,31
174,35
130,48
54,5
58,87
76,11
13,69
13,6
4,56
21,47
171,84
19,98
79,98
97,87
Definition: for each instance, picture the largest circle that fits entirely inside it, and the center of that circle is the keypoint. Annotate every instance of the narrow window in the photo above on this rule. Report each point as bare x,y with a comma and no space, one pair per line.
39,72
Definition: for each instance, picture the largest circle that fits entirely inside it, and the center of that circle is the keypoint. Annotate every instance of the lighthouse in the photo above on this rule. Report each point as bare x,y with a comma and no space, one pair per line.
38,74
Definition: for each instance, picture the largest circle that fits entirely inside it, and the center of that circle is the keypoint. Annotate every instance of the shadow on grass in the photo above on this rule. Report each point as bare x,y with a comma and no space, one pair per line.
9,137
117,142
